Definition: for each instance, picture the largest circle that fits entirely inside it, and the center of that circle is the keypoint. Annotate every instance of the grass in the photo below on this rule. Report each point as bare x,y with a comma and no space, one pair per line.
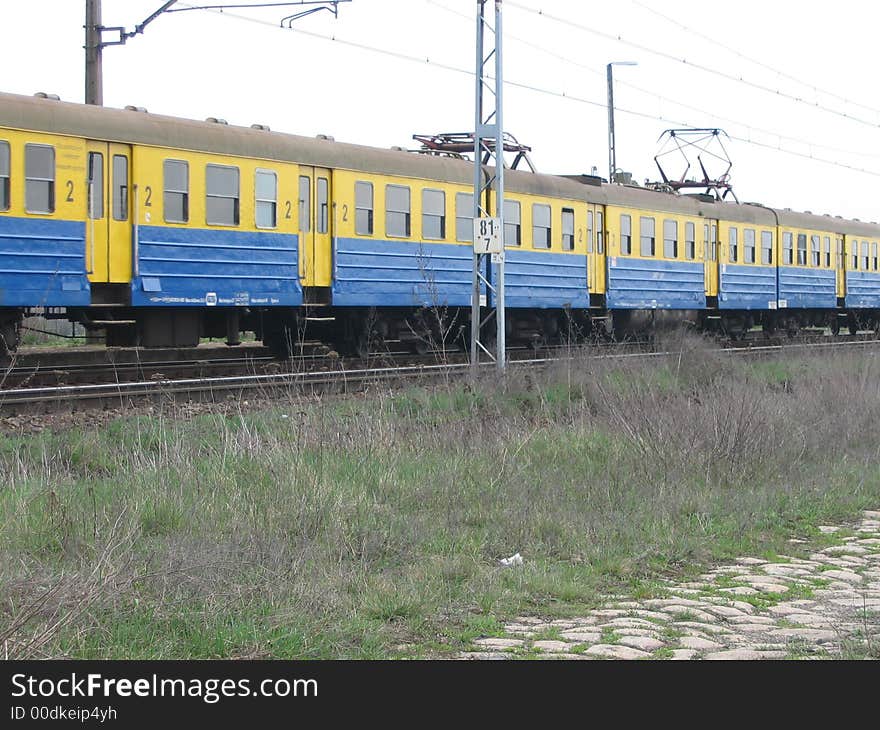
372,527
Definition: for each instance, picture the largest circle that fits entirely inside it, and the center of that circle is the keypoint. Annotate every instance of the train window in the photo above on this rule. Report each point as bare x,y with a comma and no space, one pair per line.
766,247
690,241
787,254
827,242
625,235
567,229
305,203
39,173
175,200
363,208
464,218
815,253
713,242
120,188
323,192
600,232
590,231
512,223
874,255
749,245
706,250
541,230
646,236
734,243
855,254
397,211
4,175
865,256
670,239
222,195
96,186
265,199
802,249
839,249
433,214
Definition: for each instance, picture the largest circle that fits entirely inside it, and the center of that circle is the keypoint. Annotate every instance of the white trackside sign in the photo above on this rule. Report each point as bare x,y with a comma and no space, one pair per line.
487,235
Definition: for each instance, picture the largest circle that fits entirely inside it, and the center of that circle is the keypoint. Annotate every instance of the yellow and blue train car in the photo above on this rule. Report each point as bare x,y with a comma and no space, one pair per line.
655,257
161,230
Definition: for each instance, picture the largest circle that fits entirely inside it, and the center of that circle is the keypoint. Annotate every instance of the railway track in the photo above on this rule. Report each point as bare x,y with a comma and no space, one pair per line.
337,376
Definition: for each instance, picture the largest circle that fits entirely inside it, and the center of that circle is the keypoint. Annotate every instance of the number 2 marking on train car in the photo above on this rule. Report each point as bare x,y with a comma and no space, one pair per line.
148,203
69,198
345,214
287,210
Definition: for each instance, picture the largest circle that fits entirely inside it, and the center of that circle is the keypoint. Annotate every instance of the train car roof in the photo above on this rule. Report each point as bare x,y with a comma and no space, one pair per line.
137,127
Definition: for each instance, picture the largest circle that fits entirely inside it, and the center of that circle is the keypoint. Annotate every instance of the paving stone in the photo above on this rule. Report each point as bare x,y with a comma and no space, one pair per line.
869,541
725,612
615,651
621,631
828,529
528,620
693,614
772,588
699,644
785,609
739,654
739,591
627,604
743,606
871,514
785,570
843,575
484,655
631,622
683,654
809,619
844,550
550,645
815,635
496,643
751,561
664,603
657,615
752,628
707,629
581,637
645,643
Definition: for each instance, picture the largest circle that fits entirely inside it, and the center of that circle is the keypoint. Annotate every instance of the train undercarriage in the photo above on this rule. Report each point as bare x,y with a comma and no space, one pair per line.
359,331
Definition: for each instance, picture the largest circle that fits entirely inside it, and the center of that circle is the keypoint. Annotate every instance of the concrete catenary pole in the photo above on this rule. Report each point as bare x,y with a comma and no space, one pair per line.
94,50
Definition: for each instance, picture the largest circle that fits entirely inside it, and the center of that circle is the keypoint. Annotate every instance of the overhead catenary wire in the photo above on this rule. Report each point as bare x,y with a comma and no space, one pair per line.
648,92
756,62
691,64
423,60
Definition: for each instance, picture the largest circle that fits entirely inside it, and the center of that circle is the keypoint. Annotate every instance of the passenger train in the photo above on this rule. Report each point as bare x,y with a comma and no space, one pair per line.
159,231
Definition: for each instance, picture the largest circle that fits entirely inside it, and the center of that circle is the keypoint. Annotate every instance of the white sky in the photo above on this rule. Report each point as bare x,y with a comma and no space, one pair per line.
200,64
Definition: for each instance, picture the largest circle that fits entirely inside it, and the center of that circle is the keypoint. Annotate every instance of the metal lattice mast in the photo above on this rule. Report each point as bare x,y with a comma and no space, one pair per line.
488,258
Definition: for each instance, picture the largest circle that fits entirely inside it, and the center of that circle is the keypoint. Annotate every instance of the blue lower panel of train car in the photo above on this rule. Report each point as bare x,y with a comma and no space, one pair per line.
42,263
370,273
545,280
747,287
807,288
198,267
862,290
655,284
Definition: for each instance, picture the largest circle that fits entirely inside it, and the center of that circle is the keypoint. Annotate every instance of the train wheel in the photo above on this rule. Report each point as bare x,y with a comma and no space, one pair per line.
853,323
835,325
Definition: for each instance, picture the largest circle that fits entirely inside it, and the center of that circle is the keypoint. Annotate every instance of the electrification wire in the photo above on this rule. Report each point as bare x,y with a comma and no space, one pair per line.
754,61
701,67
421,60
745,125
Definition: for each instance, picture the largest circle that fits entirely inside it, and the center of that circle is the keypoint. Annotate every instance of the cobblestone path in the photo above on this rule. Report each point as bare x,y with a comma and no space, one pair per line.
824,606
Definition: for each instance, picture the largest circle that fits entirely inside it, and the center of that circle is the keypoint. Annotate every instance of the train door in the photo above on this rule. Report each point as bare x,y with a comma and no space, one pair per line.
710,257
840,265
108,214
315,233
596,238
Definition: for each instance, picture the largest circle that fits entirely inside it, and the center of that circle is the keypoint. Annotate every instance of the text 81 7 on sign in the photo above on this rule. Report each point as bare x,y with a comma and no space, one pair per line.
487,235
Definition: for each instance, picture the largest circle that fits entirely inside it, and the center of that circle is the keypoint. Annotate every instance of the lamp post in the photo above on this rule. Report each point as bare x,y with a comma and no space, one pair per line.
612,154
